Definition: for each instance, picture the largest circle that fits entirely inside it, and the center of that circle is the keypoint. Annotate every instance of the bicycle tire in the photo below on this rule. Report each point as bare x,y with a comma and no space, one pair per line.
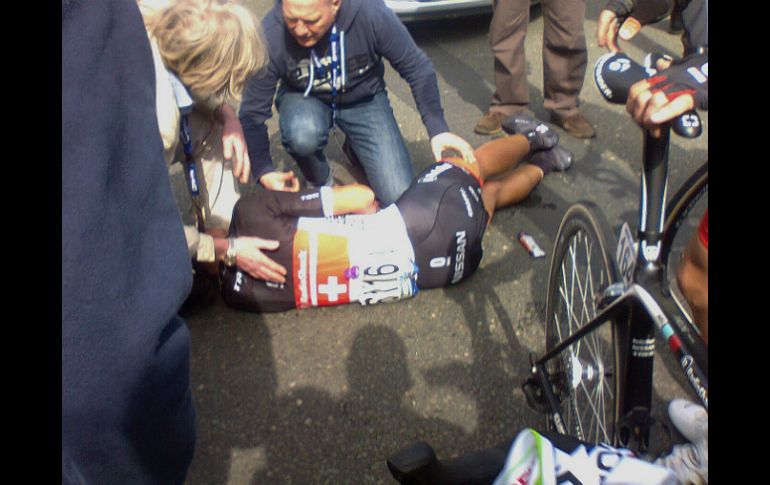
587,376
680,205
693,192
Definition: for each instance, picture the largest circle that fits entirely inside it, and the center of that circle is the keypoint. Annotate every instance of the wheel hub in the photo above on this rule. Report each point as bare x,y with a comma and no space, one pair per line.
584,371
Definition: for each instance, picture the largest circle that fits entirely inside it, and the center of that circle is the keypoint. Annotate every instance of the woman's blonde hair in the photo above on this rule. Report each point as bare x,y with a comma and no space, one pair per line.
214,46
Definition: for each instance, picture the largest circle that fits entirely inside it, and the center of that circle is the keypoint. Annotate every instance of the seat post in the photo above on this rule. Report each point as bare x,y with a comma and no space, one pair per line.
653,198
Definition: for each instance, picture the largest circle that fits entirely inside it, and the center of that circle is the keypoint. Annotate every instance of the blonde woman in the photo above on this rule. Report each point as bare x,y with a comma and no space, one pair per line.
204,52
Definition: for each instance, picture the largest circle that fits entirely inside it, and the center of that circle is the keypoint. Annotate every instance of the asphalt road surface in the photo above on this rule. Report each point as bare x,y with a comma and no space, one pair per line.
325,395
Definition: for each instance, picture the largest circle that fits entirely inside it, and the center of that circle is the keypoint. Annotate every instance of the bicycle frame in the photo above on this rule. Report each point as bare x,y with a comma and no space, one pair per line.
647,307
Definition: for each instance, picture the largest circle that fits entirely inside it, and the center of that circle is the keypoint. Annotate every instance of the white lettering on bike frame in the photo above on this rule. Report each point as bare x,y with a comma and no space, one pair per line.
626,254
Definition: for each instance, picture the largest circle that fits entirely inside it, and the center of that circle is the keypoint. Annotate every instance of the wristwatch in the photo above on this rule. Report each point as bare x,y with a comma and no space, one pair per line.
230,254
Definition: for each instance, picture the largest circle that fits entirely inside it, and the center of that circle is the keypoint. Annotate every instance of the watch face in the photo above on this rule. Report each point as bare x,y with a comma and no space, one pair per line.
230,254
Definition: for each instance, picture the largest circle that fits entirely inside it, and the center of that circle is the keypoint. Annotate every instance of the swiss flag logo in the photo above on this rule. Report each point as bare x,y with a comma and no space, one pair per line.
321,265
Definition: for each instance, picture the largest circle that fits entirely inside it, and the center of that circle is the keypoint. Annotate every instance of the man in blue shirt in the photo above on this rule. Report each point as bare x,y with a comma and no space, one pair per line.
327,56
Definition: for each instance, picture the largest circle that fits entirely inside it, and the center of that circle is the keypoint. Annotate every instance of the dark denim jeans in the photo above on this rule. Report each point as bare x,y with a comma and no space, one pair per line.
372,132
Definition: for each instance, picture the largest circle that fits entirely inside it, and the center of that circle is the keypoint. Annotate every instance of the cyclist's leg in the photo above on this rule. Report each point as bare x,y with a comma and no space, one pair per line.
498,157
512,188
693,276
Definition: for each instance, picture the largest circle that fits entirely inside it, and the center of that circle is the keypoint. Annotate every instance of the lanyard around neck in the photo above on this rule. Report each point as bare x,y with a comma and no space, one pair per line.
337,51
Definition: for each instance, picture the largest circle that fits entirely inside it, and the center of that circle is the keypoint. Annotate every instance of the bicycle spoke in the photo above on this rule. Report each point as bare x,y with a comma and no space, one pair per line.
588,275
573,257
565,301
581,272
592,404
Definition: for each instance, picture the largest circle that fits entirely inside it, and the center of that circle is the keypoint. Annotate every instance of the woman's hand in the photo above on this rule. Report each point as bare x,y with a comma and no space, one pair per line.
250,258
234,142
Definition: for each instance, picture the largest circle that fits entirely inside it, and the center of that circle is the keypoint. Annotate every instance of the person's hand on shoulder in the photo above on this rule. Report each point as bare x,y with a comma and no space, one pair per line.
449,141
281,181
250,258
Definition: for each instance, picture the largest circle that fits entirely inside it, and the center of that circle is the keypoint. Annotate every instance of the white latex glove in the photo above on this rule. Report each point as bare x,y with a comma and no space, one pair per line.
450,141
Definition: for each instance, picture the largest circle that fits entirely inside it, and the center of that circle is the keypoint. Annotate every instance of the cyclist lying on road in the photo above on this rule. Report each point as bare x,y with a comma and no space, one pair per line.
430,237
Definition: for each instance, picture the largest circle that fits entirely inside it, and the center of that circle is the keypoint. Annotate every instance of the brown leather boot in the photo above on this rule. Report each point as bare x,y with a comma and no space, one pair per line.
490,123
576,125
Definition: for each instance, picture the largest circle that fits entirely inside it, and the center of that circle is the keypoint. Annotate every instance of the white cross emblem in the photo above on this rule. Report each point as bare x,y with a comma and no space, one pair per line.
332,289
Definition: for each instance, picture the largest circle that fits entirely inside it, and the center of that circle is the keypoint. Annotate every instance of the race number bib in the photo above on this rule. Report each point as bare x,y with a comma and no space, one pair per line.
353,258
385,277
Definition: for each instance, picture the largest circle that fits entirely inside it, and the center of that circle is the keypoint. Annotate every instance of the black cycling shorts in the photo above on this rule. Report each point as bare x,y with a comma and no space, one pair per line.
445,220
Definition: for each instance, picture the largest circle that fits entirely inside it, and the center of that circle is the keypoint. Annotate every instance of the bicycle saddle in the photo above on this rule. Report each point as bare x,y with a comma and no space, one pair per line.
615,73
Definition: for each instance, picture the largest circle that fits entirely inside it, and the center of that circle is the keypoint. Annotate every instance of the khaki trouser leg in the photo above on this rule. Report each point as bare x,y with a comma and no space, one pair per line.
564,55
507,33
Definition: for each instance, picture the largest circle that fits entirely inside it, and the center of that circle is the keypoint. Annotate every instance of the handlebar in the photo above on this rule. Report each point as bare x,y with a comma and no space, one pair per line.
615,73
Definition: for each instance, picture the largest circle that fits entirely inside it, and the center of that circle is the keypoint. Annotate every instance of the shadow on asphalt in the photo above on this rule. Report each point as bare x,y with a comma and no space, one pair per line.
306,435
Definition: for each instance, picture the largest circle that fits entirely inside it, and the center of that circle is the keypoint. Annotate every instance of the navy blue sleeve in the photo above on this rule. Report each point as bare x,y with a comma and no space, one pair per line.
257,105
256,109
394,42
127,413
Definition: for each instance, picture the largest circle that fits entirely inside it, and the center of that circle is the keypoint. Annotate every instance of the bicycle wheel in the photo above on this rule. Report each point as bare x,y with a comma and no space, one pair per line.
683,214
586,376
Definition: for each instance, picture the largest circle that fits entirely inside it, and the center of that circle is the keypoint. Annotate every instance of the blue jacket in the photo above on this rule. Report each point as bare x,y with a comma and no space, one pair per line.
371,32
127,413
